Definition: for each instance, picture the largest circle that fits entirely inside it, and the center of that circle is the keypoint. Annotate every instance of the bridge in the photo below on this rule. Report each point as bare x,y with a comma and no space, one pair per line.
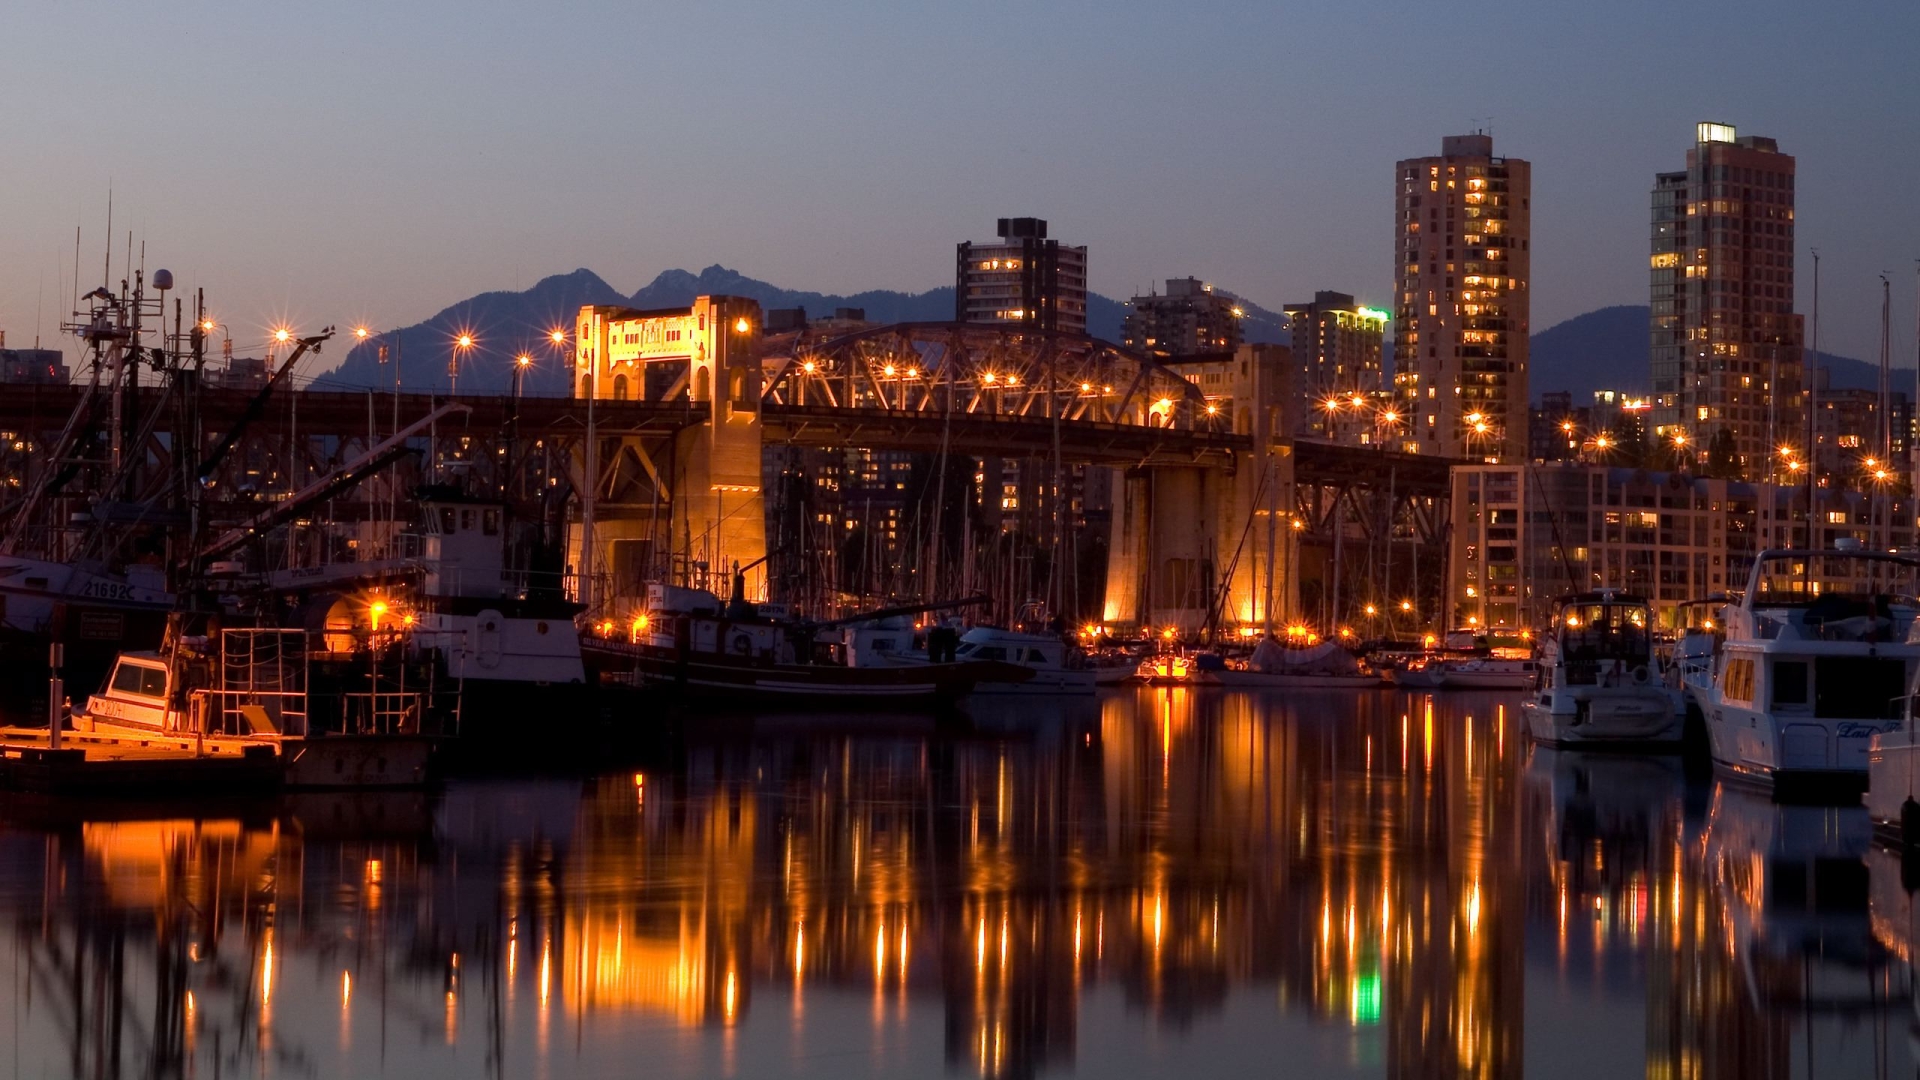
664,442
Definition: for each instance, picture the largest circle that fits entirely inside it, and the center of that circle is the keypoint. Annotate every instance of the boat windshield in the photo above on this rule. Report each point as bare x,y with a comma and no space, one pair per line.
1597,631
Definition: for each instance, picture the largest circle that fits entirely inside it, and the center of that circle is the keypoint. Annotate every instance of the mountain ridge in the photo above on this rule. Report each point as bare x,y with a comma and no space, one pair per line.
1603,349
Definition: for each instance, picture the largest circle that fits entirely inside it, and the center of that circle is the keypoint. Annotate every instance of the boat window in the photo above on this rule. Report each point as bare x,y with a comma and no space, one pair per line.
884,644
1789,682
1601,637
1737,683
126,679
1858,687
990,652
964,650
446,521
140,681
490,522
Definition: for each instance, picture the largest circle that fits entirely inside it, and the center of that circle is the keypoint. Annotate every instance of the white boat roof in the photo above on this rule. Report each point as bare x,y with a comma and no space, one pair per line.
994,633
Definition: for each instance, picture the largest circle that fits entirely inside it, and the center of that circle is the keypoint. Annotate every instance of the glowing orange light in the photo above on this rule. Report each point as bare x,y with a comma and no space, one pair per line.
361,332
741,326
465,341
207,325
523,359
809,367
282,335
558,337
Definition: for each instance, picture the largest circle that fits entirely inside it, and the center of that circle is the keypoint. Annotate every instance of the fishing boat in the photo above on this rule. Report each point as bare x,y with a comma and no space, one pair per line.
1598,684
689,643
1817,660
240,692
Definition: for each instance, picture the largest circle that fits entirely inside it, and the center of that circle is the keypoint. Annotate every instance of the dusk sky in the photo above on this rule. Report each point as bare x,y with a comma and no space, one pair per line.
345,162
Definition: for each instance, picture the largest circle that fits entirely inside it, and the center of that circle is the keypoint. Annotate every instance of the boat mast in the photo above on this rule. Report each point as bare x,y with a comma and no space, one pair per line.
1813,401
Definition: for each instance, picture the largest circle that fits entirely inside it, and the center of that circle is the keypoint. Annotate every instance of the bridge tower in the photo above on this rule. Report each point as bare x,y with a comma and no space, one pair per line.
686,509
1188,537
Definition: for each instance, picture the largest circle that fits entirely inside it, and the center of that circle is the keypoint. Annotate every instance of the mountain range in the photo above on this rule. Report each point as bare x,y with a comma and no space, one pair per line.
1609,349
1605,349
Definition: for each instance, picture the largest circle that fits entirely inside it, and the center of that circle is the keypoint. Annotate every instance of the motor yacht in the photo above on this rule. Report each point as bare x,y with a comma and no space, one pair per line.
1817,660
1598,684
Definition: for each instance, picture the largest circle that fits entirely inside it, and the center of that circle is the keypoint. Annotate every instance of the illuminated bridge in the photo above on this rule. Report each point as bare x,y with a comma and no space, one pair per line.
1209,501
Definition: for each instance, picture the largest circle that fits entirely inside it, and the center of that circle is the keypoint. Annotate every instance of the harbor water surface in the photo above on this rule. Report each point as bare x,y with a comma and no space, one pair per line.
1154,883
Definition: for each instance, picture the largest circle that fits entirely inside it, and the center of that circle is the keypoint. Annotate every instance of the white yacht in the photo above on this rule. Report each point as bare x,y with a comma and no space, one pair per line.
1058,668
1598,681
1816,661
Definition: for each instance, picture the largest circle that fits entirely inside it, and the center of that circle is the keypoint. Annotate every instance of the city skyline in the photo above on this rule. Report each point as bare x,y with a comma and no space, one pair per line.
389,179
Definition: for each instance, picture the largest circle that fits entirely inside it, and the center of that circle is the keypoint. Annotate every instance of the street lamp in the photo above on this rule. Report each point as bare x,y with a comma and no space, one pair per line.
462,343
520,365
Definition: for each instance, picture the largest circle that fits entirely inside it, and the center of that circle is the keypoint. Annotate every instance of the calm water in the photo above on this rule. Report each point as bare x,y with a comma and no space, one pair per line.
1154,884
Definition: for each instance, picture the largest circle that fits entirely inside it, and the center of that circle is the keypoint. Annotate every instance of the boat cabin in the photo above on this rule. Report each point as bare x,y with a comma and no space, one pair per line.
136,691
464,547
1603,638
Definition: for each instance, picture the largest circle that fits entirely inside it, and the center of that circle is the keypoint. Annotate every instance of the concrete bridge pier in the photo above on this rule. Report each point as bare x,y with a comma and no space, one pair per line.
1164,560
711,483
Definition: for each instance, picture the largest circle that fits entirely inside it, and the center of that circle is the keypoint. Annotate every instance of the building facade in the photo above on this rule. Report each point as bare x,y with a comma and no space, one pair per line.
1337,350
1024,278
1187,320
1525,535
1461,258
1726,345
1848,438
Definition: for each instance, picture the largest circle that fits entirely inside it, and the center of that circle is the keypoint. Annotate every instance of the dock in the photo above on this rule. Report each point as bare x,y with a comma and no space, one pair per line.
121,765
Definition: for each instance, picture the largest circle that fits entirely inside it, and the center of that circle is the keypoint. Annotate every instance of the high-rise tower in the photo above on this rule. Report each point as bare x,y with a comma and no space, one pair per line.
1461,258
1726,345
1025,278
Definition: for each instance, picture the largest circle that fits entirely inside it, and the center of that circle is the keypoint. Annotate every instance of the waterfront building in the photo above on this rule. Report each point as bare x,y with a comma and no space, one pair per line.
1337,348
1726,345
1461,258
1188,319
1024,278
1525,535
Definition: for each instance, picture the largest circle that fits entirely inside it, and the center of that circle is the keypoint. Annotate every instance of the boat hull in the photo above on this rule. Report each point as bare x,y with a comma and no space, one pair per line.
1634,720
1796,757
746,681
1263,680
359,762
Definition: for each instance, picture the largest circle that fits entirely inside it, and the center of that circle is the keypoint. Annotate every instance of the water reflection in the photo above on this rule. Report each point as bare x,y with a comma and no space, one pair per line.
1382,884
